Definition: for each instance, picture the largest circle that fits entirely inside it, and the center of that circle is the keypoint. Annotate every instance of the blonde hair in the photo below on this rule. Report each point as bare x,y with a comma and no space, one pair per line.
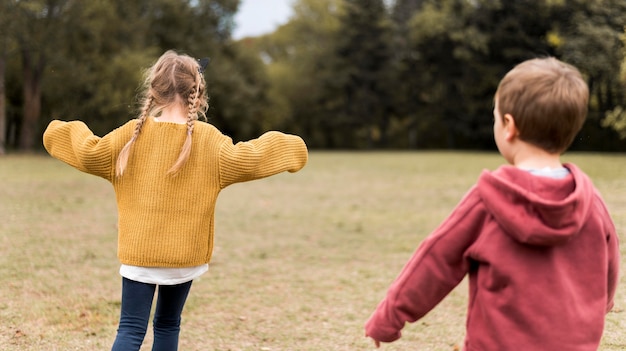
173,79
548,100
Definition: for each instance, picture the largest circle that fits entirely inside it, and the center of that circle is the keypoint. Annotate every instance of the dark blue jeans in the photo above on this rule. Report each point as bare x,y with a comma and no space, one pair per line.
136,304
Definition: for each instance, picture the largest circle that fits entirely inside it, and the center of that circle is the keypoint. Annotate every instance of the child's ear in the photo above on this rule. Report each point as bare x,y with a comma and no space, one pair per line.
510,129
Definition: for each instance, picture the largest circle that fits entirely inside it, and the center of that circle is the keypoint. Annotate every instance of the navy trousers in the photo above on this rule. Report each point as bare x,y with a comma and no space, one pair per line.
136,305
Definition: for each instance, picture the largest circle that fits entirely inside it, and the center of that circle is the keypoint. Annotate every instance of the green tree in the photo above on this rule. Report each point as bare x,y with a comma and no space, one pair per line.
299,58
616,118
84,59
110,42
239,88
445,76
587,35
457,52
362,82
407,73
7,46
237,82
37,35
3,100
95,73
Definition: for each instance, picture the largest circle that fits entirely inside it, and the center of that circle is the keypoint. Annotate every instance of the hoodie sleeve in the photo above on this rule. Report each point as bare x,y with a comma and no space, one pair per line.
613,256
613,278
436,267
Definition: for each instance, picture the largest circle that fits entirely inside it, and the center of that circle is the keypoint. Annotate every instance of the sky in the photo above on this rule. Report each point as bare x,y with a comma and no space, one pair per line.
256,17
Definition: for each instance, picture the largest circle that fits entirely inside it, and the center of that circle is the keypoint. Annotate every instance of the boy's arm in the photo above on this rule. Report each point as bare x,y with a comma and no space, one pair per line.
613,254
76,145
613,278
272,153
614,261
436,267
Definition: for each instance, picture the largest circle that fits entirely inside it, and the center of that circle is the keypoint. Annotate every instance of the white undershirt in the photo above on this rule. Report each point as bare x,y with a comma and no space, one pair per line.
162,276
556,173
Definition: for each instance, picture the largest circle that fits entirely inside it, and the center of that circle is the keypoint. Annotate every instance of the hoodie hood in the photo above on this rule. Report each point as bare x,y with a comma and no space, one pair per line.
537,210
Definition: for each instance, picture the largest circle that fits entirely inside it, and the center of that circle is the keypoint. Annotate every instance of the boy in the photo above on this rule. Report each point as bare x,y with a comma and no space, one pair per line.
534,236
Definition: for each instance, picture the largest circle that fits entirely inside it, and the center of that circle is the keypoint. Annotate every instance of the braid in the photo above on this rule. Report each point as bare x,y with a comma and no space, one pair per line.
145,110
192,115
202,104
192,110
122,159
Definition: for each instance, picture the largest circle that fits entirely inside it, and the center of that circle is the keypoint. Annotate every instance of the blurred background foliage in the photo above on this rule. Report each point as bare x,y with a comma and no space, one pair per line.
344,74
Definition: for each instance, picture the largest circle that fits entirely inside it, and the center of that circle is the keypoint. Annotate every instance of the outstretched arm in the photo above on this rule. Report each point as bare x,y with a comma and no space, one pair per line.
272,153
614,262
75,144
436,267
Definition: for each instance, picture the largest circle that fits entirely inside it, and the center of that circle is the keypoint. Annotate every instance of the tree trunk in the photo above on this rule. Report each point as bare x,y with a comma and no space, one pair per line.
3,106
32,102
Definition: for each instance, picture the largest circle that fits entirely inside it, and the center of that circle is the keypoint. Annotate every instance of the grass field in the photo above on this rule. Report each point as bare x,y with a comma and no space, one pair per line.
301,260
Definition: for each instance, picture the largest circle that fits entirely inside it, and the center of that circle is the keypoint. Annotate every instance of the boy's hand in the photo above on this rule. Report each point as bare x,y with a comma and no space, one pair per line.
376,343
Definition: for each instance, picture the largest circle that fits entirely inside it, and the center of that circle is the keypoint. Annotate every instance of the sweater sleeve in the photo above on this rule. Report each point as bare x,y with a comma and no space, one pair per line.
437,266
75,144
272,153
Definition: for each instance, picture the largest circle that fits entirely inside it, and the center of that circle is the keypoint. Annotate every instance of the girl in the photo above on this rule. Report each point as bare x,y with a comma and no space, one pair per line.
167,169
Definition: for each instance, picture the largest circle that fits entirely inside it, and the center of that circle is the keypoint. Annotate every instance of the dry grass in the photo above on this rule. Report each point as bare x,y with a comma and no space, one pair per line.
301,259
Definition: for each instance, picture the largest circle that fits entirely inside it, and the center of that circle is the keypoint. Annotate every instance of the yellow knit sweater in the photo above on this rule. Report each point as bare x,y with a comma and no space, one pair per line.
166,221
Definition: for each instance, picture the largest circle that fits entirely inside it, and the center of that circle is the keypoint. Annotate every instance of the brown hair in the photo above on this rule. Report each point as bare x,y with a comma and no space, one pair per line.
548,101
173,79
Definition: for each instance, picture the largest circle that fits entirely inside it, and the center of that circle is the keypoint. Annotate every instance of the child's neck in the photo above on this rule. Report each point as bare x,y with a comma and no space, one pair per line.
539,164
532,157
173,114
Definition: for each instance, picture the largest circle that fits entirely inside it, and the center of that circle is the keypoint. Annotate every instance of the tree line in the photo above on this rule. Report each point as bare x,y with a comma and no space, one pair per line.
344,74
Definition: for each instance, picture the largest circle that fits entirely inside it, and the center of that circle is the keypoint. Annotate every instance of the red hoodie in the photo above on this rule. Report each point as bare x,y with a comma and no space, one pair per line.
542,257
